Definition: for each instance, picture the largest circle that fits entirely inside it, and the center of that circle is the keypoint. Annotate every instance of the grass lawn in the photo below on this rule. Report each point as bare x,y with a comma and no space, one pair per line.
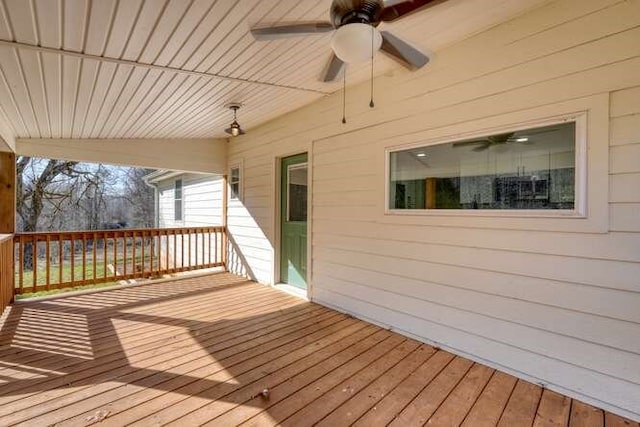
54,276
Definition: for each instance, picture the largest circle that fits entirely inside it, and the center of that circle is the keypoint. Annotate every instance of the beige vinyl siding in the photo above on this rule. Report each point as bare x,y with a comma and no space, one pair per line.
250,223
555,301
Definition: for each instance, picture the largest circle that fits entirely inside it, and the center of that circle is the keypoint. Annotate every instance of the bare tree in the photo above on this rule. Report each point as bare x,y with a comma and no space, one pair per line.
66,195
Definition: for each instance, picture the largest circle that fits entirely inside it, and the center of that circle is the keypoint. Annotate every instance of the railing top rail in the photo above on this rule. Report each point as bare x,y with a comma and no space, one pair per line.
121,231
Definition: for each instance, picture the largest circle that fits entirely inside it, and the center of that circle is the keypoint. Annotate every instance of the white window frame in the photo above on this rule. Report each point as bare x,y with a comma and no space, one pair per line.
239,166
580,202
175,199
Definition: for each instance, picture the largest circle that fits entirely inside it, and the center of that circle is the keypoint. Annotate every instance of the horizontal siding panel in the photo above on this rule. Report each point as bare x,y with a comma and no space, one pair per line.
610,274
346,198
621,365
624,188
605,302
249,231
581,325
624,130
613,246
625,217
625,102
625,158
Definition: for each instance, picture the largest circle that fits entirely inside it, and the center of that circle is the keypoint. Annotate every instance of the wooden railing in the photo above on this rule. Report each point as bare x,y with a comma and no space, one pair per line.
6,271
46,261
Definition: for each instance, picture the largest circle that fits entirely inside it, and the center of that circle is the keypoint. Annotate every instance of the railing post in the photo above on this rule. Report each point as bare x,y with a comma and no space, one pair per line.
7,227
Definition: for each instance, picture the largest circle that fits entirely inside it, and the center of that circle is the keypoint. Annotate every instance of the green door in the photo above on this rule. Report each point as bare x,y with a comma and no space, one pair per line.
293,221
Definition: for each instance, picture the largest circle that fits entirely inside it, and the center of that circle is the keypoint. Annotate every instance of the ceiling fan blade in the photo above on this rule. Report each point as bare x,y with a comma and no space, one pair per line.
333,68
400,50
481,148
467,143
502,138
401,9
295,29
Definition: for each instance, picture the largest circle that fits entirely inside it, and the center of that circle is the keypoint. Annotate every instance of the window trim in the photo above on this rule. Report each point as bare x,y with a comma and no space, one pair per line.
239,166
580,204
181,199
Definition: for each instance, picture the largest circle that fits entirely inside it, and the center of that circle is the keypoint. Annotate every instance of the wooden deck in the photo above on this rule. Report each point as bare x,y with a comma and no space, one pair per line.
203,350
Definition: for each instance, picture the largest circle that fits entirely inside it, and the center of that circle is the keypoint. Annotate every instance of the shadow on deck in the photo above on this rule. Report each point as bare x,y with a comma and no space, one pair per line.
222,350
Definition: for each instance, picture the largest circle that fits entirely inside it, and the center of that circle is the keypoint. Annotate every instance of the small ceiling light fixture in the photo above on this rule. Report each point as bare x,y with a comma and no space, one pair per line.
421,155
234,129
523,139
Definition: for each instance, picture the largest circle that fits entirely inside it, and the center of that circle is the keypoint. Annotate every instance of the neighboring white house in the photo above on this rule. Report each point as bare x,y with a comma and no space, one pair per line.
186,200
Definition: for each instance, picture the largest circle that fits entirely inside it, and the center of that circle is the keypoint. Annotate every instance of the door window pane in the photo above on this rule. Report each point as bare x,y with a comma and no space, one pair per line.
297,193
525,169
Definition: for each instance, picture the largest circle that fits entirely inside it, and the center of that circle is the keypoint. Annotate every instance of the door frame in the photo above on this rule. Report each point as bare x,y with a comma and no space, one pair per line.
277,168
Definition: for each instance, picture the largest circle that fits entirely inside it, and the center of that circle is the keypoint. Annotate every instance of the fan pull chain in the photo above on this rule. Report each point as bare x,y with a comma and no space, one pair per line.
344,96
371,104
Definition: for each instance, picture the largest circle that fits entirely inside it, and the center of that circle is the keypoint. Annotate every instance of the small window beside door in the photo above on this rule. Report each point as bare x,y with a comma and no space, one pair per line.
177,199
235,187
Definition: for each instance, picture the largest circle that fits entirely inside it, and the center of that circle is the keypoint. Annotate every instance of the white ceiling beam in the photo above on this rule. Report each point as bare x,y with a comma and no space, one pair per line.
26,46
187,155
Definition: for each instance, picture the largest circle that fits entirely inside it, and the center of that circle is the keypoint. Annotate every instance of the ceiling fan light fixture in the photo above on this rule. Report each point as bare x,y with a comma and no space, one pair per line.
353,43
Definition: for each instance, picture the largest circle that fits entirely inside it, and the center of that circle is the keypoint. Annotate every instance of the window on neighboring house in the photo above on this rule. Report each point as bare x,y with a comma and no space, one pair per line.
177,197
234,183
524,169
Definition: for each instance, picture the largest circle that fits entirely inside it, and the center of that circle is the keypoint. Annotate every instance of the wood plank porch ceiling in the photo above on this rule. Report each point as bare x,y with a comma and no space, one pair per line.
220,350
47,95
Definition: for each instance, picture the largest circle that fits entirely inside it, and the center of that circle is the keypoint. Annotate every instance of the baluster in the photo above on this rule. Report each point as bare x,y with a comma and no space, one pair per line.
47,264
60,259
94,248
84,258
34,256
73,259
124,255
104,256
21,265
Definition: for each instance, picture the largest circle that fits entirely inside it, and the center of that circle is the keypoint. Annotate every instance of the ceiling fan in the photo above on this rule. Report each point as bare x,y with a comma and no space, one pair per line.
503,138
356,35
487,142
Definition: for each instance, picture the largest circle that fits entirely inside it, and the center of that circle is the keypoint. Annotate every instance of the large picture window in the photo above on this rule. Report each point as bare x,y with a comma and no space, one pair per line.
535,168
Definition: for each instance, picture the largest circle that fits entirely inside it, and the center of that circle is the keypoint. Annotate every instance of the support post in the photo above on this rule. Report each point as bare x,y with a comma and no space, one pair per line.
225,230
7,193
7,227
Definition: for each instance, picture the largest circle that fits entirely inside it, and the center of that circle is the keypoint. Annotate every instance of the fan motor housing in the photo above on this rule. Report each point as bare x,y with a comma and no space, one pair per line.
356,11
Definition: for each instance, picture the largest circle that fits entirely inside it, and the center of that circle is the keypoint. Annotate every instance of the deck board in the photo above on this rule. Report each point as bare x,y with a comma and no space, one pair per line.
200,351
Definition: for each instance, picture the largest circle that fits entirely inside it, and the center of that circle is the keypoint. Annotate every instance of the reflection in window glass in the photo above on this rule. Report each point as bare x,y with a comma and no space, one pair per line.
297,193
526,169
